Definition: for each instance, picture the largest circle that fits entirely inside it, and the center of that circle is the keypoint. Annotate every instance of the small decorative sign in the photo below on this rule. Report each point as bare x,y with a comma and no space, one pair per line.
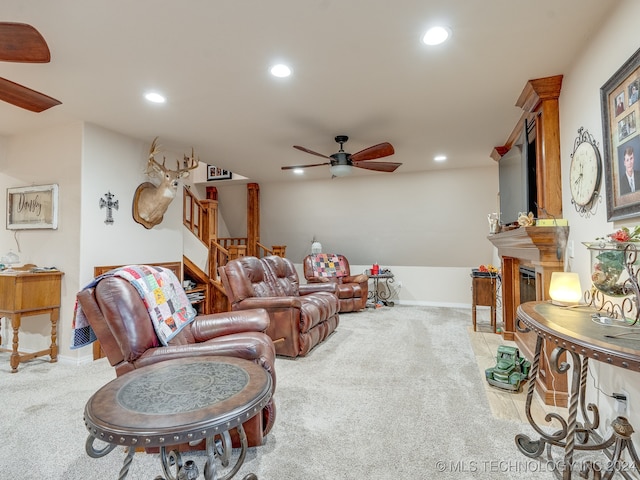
32,207
215,173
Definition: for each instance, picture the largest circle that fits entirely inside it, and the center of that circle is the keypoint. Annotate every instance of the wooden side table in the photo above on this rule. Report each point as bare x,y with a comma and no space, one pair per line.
25,294
483,290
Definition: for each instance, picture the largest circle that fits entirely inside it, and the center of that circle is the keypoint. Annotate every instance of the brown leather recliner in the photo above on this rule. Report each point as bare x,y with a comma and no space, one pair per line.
122,324
302,316
352,289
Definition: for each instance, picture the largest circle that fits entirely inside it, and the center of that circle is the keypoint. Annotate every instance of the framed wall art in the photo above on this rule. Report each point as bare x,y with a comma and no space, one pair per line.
32,207
215,173
621,140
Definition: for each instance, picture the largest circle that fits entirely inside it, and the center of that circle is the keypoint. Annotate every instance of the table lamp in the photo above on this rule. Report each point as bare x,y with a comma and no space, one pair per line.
565,289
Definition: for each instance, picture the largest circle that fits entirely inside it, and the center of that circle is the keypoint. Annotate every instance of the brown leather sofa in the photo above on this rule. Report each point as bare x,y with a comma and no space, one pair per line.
302,316
352,289
122,324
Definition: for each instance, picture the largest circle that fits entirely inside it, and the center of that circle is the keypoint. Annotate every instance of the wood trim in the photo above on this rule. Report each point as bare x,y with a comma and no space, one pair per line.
175,267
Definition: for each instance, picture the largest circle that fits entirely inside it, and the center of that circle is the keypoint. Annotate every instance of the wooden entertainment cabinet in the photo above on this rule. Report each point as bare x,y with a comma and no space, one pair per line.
539,249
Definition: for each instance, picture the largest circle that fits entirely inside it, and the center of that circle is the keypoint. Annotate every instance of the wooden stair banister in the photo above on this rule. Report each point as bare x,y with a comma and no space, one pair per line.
200,217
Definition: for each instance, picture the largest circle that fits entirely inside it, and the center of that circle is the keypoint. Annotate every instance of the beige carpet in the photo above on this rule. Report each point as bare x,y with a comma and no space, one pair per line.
394,393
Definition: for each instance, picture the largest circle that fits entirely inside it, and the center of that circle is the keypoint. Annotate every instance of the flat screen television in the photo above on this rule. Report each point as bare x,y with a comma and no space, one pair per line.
517,179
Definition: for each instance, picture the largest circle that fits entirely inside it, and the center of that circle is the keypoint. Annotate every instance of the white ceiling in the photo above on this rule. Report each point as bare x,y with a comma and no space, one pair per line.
359,68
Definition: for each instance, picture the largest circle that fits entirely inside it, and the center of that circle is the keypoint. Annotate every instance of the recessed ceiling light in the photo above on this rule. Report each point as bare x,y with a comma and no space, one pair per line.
440,158
280,70
298,171
155,97
436,35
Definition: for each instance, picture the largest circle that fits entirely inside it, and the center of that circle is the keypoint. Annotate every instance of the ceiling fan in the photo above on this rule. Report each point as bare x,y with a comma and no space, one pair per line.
22,43
341,163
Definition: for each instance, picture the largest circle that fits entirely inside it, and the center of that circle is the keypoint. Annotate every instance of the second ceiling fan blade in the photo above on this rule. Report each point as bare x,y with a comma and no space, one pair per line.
304,149
22,43
378,166
24,97
291,167
377,151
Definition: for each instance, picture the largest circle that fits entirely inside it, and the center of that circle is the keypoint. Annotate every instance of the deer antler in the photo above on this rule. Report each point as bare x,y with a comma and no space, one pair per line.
152,164
189,162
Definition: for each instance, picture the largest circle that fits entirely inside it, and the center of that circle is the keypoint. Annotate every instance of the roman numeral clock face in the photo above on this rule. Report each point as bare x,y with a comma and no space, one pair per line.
585,174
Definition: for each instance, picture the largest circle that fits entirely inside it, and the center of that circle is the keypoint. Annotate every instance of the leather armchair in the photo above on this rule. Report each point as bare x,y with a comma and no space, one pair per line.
301,316
352,289
122,324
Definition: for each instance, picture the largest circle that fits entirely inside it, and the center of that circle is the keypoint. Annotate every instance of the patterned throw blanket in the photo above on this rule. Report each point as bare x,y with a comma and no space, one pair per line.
328,265
162,294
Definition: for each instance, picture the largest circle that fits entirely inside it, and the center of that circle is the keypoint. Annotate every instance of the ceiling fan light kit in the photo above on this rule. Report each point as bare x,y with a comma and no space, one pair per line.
342,163
340,170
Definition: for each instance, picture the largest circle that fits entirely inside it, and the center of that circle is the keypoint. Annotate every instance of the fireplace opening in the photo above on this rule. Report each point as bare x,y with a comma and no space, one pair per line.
527,284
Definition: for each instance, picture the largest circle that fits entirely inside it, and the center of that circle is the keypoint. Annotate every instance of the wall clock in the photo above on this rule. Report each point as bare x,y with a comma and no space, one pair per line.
585,173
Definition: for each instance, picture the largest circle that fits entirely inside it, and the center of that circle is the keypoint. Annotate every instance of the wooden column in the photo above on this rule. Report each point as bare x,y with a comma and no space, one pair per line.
209,222
253,219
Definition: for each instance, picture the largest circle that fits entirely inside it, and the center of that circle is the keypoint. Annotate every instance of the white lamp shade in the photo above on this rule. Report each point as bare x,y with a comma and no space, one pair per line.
316,247
340,170
565,288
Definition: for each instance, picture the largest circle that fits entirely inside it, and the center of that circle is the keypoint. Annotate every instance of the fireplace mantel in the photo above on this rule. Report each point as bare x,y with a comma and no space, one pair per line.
534,244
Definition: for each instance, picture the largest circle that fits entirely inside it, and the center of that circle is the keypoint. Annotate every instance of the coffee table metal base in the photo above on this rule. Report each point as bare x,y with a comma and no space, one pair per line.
173,466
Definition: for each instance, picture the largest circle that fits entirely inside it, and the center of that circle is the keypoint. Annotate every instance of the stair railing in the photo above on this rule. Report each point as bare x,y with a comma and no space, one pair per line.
200,216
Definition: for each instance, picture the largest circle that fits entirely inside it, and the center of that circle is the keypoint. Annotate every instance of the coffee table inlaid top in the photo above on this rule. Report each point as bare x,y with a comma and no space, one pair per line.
178,401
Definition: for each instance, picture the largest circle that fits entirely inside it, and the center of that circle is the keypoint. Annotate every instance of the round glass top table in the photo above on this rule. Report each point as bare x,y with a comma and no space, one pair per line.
179,401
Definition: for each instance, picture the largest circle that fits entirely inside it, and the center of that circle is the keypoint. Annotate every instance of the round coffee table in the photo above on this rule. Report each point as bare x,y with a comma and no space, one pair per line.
179,401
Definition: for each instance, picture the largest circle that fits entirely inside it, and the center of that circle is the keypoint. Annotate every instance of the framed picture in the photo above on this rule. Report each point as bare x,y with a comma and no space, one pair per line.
621,145
215,173
32,207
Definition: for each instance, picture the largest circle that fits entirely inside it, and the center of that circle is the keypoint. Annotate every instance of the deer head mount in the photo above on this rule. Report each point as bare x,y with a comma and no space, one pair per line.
151,201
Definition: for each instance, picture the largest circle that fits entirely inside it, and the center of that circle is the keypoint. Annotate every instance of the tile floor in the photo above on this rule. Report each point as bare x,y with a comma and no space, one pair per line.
504,404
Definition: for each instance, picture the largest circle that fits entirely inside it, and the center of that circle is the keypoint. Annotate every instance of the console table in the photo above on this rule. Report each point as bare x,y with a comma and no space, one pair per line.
25,294
574,331
181,401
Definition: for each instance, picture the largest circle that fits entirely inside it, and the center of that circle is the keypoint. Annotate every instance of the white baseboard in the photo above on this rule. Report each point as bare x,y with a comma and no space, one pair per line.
419,303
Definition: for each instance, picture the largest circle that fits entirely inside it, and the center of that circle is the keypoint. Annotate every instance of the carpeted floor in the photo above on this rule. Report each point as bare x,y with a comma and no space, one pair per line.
394,393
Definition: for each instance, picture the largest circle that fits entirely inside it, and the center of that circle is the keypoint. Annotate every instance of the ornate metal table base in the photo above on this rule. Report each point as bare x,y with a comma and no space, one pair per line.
381,293
574,436
219,449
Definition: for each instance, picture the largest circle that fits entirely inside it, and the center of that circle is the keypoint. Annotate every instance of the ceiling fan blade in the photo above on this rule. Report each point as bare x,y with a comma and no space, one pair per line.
22,43
310,151
377,151
291,167
378,166
24,97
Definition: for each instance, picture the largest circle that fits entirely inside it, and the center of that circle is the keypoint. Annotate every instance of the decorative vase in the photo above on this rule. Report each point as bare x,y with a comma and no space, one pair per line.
610,264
